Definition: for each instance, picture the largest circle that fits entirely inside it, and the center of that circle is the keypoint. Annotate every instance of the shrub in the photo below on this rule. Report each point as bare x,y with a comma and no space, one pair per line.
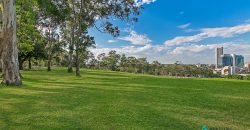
247,77
238,77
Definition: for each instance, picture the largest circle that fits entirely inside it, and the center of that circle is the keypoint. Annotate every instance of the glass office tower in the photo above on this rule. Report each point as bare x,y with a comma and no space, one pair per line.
227,60
239,61
233,60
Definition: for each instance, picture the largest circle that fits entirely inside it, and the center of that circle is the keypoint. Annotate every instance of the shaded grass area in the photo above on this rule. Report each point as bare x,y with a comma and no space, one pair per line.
113,100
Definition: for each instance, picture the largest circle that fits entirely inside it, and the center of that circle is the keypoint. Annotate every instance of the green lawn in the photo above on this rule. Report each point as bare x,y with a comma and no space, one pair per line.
112,101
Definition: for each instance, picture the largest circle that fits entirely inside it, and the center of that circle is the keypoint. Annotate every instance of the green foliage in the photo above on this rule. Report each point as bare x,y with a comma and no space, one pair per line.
56,10
238,77
27,31
116,62
104,100
247,77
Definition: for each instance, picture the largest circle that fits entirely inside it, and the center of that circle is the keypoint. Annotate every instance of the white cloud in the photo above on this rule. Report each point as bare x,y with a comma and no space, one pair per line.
223,32
189,54
205,53
123,50
194,48
112,41
184,26
136,39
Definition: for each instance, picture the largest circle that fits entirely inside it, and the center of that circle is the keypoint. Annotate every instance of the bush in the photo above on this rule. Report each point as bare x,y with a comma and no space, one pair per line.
238,77
247,77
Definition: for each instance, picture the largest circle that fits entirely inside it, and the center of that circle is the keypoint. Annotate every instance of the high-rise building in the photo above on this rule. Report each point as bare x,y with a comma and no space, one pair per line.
239,61
231,62
218,54
227,60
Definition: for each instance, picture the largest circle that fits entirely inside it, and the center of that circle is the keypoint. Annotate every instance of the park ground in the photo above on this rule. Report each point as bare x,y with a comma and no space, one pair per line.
108,100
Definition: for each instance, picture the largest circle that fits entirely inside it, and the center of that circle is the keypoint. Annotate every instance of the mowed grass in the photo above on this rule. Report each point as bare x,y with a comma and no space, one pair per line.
111,101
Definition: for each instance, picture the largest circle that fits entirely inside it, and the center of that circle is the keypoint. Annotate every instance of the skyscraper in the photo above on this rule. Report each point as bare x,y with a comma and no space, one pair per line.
223,60
239,61
218,59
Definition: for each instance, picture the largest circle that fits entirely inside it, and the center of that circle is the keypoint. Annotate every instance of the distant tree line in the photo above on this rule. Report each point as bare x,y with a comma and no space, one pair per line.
116,62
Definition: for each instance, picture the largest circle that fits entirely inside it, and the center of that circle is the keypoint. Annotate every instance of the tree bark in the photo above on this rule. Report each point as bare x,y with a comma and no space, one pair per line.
71,46
1,66
30,65
71,50
77,44
49,63
77,64
21,64
9,55
70,65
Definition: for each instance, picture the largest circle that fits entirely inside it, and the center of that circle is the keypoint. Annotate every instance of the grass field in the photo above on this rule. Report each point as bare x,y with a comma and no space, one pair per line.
111,101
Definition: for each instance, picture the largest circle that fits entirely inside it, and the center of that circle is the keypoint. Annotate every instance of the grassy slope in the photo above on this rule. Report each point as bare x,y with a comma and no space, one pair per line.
112,100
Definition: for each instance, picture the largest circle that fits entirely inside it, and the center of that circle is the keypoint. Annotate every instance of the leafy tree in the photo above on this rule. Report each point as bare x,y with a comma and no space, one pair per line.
112,60
91,12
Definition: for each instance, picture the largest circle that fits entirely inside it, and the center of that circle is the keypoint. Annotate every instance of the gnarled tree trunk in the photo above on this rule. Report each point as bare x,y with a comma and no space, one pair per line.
9,55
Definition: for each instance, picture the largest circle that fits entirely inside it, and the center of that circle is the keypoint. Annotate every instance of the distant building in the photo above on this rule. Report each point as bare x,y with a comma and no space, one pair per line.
229,70
230,64
232,60
218,60
247,66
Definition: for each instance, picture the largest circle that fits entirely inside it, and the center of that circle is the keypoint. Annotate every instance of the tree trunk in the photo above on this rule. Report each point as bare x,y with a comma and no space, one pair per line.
77,64
70,65
49,63
71,50
0,66
9,56
71,46
21,64
77,44
30,65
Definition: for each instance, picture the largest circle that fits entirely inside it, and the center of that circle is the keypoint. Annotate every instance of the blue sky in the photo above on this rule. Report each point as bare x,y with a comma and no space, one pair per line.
182,30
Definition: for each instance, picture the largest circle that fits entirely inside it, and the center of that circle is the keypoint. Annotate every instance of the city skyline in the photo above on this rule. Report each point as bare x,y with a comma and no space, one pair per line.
170,31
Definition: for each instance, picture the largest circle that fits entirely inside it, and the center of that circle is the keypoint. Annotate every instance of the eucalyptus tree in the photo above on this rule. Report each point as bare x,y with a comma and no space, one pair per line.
8,37
112,60
142,65
52,47
123,63
85,41
92,62
8,44
101,63
133,64
156,67
98,14
52,15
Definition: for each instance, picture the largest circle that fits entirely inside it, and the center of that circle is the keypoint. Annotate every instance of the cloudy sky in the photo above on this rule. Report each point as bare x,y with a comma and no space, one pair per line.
182,30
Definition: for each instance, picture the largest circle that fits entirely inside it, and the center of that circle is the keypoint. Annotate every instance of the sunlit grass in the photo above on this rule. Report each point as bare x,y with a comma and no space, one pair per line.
115,100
